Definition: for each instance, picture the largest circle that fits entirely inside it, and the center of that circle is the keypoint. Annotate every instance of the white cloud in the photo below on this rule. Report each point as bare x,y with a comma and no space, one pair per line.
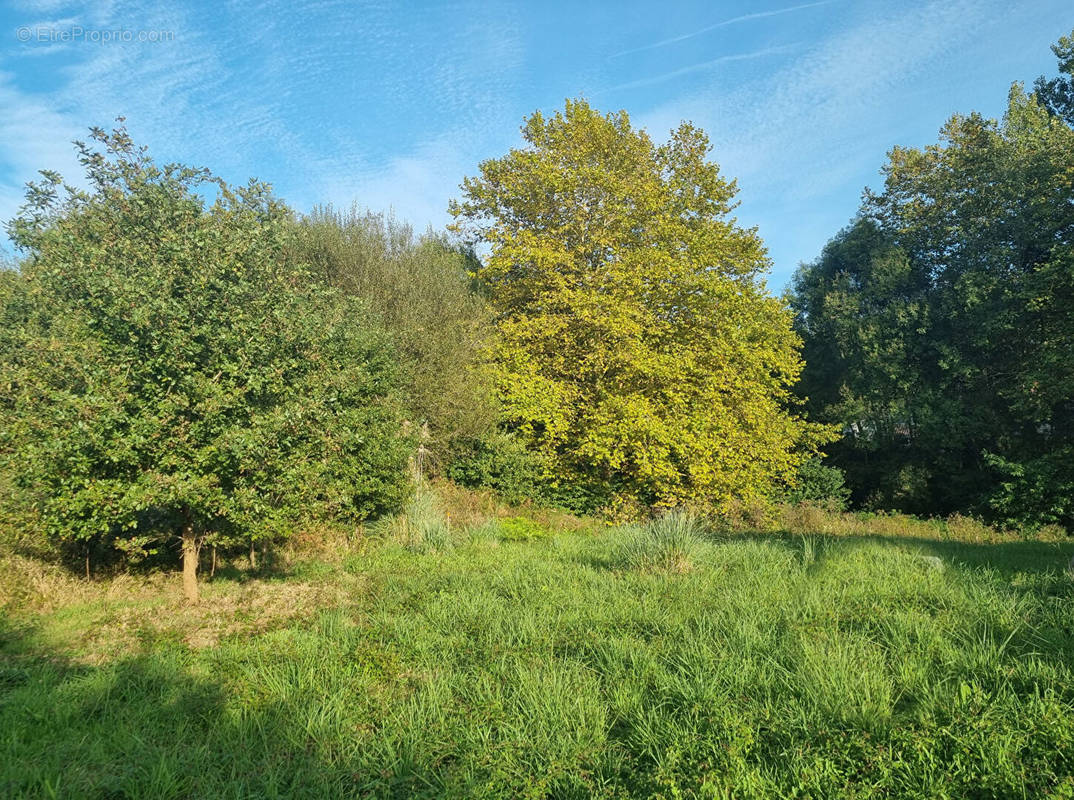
800,139
228,99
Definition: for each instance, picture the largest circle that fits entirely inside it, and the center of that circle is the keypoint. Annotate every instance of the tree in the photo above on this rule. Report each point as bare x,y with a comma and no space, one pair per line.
640,354
949,311
862,314
420,290
169,375
1057,94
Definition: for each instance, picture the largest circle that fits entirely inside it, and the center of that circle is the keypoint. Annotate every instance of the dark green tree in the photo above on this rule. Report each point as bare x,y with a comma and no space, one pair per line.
862,313
938,330
1057,94
170,375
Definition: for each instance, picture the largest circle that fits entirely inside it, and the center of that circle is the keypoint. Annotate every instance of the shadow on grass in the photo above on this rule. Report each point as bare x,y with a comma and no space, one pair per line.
176,724
146,726
1007,558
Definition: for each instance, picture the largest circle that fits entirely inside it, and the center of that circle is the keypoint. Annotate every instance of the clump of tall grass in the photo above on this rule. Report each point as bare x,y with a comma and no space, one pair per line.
667,543
487,534
421,527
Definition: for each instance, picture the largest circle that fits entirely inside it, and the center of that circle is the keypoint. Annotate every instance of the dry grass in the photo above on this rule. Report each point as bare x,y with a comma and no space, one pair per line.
28,584
331,544
810,519
132,613
470,508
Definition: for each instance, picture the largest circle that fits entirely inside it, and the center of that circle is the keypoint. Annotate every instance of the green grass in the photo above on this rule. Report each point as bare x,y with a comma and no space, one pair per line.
774,666
670,542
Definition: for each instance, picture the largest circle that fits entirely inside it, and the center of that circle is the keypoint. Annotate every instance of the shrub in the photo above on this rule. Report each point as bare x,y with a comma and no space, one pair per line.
520,529
497,461
1035,492
821,484
754,515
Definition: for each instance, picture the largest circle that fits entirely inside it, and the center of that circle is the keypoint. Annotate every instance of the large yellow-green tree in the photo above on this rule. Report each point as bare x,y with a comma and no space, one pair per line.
641,355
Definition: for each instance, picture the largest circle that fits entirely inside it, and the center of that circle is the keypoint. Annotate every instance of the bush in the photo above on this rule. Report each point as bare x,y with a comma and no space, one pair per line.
520,529
820,484
1035,492
497,461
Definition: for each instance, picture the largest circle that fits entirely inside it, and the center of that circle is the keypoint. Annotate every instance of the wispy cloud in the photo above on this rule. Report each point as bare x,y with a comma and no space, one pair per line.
733,21
816,128
705,65
274,99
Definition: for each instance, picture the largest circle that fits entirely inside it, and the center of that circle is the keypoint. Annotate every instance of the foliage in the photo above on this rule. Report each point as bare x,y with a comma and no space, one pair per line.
938,328
519,529
817,482
1057,94
541,670
498,461
508,529
165,367
640,354
1036,491
420,289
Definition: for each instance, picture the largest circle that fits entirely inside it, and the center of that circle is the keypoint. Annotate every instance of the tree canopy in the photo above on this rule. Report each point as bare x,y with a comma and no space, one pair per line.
939,327
640,354
169,372
419,289
1057,94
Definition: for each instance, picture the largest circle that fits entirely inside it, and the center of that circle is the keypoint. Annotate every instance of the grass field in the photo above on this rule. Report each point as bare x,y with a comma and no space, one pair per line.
595,663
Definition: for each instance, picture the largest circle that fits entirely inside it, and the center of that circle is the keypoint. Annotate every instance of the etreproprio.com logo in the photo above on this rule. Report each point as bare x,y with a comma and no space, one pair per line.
51,34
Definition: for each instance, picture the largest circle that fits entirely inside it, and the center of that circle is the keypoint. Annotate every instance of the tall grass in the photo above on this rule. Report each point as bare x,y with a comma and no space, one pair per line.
773,666
811,519
669,542
423,526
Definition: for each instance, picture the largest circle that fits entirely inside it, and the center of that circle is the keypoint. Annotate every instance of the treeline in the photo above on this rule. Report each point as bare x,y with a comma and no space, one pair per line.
938,328
187,364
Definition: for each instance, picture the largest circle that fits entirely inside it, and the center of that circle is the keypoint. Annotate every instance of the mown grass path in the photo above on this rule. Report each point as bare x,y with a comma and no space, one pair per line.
766,667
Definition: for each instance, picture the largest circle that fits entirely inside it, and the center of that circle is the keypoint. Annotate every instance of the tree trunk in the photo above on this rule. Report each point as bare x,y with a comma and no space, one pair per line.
212,569
190,562
253,555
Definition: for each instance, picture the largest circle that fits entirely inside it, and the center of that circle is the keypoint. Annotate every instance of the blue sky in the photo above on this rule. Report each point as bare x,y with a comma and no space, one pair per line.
390,104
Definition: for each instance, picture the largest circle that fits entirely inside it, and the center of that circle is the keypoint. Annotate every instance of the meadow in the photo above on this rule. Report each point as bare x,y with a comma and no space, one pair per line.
543,656
349,435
